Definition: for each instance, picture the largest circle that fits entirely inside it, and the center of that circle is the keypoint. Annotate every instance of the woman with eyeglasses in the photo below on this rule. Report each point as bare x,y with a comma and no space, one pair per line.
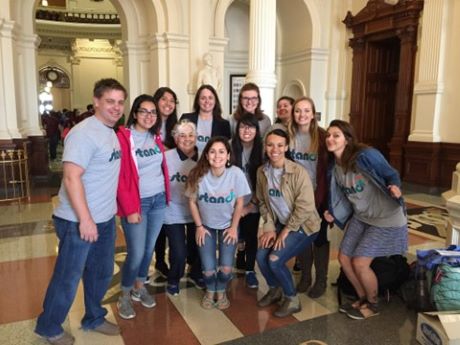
308,148
207,116
141,203
247,155
249,101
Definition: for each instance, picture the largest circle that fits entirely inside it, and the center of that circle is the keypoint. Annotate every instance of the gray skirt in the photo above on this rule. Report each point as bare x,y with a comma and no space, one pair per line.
361,239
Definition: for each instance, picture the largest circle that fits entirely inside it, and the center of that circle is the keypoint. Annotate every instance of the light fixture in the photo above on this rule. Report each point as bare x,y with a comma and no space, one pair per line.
45,3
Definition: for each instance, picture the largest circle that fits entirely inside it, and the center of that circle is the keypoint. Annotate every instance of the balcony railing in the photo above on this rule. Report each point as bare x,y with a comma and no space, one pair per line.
77,17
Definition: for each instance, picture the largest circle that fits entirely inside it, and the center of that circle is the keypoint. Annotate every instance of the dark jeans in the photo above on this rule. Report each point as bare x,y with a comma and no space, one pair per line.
275,272
248,228
160,248
53,142
78,259
182,245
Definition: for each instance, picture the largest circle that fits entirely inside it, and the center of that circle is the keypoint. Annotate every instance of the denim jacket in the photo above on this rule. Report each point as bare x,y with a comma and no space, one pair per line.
371,163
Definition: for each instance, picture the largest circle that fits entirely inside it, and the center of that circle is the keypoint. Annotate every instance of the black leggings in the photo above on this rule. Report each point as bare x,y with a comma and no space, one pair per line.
249,226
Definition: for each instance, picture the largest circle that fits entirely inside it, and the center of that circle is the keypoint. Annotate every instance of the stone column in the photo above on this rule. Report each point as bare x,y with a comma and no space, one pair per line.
429,86
452,199
262,51
28,111
8,83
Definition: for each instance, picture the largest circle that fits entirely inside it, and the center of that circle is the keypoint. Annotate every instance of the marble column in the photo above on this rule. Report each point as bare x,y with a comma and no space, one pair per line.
8,83
262,51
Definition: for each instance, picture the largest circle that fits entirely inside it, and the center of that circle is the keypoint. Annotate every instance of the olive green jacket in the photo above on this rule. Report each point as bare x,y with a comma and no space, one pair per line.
297,190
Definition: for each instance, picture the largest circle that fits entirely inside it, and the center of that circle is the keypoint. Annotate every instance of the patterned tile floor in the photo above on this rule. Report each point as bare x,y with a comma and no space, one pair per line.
28,250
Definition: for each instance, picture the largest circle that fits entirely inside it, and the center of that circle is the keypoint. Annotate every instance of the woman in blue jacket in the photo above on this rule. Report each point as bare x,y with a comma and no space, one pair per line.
365,196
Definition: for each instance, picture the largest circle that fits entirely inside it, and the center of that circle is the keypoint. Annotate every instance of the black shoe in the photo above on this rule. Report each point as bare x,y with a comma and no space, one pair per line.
162,269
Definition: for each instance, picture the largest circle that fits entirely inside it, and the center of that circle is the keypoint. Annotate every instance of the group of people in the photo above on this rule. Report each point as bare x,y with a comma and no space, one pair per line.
216,188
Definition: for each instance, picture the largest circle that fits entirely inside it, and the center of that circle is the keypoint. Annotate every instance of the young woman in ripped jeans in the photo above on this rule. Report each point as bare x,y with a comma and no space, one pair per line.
290,221
215,190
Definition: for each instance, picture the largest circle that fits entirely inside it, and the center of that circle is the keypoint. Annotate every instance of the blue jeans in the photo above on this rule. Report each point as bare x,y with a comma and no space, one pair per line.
140,240
93,262
275,272
182,244
216,280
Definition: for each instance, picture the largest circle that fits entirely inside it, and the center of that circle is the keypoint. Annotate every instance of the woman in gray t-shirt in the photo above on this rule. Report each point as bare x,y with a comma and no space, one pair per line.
364,193
215,190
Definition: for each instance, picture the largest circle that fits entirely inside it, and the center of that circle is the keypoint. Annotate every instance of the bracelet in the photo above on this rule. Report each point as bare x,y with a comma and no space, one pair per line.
197,226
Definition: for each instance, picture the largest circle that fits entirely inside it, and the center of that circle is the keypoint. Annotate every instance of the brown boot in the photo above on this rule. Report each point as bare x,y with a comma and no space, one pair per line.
305,260
321,258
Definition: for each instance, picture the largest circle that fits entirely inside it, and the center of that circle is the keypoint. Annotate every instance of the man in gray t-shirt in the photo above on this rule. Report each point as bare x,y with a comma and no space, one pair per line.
85,218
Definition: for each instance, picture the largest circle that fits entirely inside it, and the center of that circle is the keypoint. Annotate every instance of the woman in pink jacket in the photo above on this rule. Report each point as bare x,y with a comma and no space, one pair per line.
143,191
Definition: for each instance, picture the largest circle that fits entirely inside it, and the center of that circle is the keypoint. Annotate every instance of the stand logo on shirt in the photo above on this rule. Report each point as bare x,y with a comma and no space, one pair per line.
147,153
202,138
178,177
216,199
300,156
116,154
357,187
274,192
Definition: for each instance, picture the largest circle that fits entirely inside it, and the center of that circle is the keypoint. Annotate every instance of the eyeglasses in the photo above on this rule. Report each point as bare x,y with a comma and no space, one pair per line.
144,112
247,128
250,99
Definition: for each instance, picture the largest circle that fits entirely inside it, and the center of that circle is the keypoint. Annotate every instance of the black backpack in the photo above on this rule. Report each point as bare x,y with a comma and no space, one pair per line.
391,271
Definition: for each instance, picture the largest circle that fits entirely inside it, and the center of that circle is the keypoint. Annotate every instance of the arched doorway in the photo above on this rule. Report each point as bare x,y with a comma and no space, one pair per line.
384,45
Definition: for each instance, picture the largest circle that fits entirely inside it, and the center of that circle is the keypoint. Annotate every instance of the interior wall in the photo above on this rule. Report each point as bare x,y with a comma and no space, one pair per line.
236,52
293,43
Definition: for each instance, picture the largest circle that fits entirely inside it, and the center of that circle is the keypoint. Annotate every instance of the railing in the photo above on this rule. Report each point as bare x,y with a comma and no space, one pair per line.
14,175
77,17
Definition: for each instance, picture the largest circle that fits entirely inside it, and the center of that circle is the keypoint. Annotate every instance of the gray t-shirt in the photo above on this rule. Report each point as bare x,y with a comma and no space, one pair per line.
216,196
203,131
149,159
301,154
178,211
277,202
94,147
370,204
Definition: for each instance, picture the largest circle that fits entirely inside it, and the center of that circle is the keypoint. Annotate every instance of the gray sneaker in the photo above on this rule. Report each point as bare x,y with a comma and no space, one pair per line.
107,328
61,339
273,295
143,296
125,307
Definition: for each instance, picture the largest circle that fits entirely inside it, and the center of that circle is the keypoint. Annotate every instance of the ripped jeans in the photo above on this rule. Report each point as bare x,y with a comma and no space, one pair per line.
217,271
272,263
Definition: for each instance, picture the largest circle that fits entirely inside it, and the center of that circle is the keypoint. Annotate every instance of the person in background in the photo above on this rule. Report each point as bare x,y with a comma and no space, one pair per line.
308,148
143,192
178,225
166,104
247,151
207,116
216,190
249,101
365,196
85,219
284,107
290,222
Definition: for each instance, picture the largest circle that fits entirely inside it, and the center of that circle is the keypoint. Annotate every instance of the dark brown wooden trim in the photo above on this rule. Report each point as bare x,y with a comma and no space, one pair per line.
430,164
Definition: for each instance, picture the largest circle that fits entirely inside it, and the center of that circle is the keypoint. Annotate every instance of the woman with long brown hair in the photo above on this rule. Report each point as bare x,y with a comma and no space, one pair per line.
215,189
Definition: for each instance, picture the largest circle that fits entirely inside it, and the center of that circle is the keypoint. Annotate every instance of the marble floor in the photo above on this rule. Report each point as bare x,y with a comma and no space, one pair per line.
28,249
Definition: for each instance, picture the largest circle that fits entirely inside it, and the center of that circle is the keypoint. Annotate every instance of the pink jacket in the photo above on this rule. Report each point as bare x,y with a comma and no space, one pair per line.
128,196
